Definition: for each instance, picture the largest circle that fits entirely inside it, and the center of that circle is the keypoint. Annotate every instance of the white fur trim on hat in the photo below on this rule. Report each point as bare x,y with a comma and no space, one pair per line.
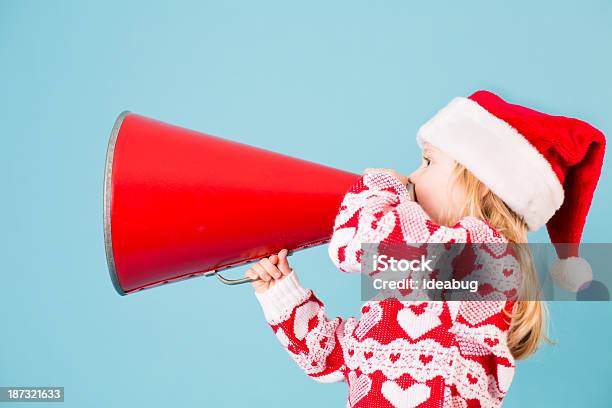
571,273
499,156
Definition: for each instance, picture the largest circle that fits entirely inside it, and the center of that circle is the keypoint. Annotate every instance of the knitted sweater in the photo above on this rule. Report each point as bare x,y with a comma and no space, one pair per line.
398,353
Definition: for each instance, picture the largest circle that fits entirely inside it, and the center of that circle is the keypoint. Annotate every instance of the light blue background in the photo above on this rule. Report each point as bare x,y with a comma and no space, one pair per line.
341,83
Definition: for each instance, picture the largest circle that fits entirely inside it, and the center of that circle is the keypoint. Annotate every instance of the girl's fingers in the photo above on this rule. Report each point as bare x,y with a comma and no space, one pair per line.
393,172
283,264
249,273
271,269
273,258
263,274
376,170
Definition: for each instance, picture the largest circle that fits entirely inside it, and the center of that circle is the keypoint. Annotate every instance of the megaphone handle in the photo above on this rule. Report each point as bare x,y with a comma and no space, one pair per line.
241,280
234,281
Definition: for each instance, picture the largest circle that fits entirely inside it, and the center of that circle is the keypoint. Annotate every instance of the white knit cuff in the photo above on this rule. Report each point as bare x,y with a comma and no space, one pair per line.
278,301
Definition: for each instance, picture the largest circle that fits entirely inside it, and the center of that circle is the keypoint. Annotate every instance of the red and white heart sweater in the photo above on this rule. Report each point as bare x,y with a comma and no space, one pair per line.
398,353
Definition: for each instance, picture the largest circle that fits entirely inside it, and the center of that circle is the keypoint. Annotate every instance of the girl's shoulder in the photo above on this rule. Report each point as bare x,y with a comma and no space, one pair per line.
480,230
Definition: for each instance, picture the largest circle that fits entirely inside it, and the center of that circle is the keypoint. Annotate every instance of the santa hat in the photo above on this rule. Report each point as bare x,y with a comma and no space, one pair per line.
544,167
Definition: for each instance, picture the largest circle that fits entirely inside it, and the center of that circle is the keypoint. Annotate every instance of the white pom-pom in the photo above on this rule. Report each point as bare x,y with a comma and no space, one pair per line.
571,273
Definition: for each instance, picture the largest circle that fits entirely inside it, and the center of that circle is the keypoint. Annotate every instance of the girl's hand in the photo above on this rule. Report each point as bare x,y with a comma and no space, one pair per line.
404,179
268,271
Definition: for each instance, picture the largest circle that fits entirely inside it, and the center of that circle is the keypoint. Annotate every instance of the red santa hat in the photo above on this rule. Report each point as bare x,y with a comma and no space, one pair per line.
544,167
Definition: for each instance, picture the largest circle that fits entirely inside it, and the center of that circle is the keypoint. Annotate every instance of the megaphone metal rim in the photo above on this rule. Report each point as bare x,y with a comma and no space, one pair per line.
108,173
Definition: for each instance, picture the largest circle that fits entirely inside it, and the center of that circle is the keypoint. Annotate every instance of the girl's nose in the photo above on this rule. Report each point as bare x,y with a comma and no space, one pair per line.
415,175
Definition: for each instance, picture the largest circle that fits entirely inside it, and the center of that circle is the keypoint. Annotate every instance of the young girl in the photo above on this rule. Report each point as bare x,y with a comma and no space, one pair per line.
439,353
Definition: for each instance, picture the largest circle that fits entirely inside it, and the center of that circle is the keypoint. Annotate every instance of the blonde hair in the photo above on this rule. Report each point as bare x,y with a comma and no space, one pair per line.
528,319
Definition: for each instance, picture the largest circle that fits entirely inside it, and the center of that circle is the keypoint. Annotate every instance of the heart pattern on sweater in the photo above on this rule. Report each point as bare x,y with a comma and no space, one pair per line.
372,313
425,359
303,314
416,325
479,311
409,398
394,357
418,309
472,379
471,347
492,342
496,250
323,342
359,387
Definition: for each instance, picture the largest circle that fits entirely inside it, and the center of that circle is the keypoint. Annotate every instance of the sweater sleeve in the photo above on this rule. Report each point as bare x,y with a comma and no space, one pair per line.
299,320
378,208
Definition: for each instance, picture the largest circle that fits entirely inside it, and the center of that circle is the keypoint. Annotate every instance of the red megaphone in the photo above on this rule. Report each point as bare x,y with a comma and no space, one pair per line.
179,203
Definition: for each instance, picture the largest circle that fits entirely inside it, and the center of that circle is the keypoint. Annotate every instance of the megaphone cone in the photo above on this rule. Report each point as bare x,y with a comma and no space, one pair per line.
180,203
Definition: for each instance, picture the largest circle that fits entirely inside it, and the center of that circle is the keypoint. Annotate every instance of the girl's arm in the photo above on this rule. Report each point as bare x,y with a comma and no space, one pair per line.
377,208
300,323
